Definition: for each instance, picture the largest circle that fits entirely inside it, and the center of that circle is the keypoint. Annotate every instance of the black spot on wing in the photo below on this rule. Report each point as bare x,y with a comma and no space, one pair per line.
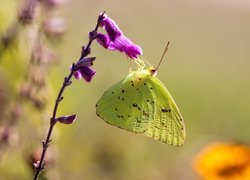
134,105
120,116
165,110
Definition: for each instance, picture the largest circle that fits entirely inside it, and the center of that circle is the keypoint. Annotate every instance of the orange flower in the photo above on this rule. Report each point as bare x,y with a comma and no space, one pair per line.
224,162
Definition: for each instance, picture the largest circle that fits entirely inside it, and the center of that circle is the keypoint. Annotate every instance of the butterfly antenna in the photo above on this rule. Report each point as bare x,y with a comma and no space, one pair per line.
162,56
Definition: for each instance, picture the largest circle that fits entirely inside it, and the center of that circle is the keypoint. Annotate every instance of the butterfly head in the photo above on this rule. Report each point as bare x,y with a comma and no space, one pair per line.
152,70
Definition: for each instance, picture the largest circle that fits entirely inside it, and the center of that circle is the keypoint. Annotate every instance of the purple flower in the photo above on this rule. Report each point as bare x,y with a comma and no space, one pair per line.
115,40
84,72
82,69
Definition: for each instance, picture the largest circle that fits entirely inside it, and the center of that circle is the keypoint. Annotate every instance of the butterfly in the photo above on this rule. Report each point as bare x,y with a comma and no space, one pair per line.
140,103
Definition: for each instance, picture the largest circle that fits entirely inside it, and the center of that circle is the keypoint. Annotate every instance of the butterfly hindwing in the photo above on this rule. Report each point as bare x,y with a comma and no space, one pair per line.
167,124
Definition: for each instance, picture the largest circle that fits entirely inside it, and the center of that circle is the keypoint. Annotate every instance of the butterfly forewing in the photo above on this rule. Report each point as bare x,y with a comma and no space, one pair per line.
121,105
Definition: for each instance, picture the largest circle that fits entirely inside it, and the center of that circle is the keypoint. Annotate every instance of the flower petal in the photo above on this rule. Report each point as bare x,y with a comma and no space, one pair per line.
123,44
103,40
133,51
111,28
87,73
77,75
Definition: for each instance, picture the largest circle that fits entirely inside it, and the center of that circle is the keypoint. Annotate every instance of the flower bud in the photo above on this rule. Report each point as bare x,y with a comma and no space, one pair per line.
66,119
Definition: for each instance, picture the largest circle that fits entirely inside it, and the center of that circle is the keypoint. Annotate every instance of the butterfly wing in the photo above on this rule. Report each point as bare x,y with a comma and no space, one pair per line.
141,103
167,124
121,105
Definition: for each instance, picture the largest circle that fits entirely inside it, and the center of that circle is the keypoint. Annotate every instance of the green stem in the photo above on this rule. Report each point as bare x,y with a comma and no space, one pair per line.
40,165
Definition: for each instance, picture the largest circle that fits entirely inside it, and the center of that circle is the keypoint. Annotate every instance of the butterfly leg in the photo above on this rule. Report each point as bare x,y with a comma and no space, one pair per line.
129,64
140,64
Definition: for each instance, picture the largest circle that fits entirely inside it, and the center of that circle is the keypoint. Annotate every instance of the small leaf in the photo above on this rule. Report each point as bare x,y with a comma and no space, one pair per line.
67,119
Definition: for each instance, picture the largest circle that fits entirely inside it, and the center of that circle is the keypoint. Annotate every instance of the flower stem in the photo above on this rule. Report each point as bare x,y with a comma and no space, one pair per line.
40,165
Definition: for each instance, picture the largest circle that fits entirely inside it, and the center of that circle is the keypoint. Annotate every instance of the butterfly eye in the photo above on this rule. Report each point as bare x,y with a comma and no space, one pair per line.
153,71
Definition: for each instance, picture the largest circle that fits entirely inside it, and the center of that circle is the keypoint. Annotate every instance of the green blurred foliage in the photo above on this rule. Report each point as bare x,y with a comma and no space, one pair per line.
206,70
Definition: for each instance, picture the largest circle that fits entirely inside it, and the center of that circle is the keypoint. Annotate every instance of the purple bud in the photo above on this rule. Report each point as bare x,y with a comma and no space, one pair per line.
101,17
67,119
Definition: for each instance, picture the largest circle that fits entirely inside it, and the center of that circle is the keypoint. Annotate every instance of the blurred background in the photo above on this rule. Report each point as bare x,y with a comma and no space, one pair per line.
206,69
